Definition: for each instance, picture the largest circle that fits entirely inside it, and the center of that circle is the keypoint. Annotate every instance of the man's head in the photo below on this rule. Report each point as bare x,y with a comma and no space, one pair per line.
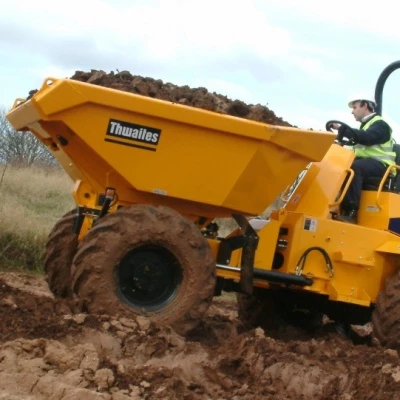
361,108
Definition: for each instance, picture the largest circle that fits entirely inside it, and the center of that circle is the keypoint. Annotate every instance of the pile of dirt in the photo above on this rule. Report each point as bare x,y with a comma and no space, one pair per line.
197,97
48,353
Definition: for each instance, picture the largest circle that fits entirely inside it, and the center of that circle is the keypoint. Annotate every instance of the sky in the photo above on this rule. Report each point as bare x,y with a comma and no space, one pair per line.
305,60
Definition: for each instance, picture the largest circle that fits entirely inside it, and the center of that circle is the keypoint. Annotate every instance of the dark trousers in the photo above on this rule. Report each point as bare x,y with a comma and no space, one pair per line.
363,168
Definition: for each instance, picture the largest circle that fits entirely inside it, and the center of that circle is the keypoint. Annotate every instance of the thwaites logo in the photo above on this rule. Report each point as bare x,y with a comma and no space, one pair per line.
133,132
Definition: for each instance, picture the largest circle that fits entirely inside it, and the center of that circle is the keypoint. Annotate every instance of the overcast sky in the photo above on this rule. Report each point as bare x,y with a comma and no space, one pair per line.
303,59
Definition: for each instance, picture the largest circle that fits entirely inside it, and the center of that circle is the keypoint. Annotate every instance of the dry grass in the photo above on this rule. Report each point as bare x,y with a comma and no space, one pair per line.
31,202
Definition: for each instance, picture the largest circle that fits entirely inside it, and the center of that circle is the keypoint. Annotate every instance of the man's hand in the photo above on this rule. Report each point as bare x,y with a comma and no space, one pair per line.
350,134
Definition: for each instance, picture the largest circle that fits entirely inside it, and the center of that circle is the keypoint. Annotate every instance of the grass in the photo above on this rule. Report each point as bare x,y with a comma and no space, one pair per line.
32,200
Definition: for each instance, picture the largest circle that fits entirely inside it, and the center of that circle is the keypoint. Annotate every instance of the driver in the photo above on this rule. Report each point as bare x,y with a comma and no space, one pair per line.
373,147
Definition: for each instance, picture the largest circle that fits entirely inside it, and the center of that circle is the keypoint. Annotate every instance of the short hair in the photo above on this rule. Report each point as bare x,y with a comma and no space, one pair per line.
370,105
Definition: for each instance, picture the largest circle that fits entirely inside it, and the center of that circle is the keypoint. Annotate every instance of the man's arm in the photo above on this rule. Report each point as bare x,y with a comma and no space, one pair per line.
377,133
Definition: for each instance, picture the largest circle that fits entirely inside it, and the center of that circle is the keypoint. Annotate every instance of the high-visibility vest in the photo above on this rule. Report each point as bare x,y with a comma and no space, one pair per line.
382,152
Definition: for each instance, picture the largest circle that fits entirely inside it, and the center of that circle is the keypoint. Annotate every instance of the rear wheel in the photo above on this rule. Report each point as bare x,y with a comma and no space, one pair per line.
386,316
145,260
60,250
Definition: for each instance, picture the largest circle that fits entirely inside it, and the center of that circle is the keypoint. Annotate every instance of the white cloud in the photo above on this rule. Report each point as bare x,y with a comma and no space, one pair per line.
358,16
184,33
302,58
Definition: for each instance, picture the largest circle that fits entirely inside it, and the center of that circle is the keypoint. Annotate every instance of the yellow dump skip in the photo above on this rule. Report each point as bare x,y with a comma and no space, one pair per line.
156,151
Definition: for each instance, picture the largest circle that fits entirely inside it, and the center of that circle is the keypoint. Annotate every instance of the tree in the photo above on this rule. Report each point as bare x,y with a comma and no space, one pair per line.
21,148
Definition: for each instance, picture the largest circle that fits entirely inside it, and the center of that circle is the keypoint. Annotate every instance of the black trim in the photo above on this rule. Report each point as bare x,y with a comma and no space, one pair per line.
248,242
381,83
269,276
62,140
280,277
248,253
78,220
394,225
130,144
81,212
283,231
226,247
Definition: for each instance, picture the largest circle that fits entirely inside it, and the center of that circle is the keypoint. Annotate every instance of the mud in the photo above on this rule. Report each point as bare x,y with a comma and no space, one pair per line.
48,353
194,97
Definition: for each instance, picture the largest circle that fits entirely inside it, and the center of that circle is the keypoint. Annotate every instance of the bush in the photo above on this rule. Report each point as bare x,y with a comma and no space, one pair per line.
32,200
22,148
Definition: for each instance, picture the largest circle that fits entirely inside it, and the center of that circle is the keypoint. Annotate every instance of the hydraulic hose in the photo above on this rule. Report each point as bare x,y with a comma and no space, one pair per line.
302,261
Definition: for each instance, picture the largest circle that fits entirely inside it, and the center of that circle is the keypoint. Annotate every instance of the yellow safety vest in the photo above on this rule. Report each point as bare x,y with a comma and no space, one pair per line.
382,152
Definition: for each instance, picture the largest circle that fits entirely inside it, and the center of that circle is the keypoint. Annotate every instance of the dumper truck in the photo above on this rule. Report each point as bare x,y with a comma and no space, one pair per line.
152,177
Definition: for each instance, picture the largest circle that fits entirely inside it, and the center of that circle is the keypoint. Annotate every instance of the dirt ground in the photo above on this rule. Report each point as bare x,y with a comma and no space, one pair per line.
47,353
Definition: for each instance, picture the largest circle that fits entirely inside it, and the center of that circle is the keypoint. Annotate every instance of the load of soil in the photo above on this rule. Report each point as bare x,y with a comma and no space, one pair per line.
194,97
198,97
48,353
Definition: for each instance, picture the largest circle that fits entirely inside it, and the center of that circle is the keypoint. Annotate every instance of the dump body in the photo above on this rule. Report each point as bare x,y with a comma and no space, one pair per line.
152,151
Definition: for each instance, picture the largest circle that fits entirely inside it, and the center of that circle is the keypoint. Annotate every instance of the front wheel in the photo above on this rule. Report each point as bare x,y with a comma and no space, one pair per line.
145,260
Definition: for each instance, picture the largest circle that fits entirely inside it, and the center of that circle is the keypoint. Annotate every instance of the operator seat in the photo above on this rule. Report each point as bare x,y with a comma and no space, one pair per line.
392,183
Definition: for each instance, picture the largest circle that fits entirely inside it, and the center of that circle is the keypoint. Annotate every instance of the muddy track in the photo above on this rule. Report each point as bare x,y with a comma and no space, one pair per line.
47,352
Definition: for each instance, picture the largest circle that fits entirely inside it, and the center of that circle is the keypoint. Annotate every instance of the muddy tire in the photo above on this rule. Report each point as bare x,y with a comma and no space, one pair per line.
145,260
59,253
386,316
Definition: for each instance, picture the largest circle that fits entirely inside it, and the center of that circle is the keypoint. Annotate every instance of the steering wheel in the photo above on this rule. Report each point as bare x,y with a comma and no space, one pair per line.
339,138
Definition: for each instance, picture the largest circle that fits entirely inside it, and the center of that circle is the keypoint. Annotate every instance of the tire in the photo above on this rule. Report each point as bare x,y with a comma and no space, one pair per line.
386,316
59,253
145,260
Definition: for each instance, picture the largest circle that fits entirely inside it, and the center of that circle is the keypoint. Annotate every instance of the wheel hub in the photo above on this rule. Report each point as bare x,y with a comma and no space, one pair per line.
148,277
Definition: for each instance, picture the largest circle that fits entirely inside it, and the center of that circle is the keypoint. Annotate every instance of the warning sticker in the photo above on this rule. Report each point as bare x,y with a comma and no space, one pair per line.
310,224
